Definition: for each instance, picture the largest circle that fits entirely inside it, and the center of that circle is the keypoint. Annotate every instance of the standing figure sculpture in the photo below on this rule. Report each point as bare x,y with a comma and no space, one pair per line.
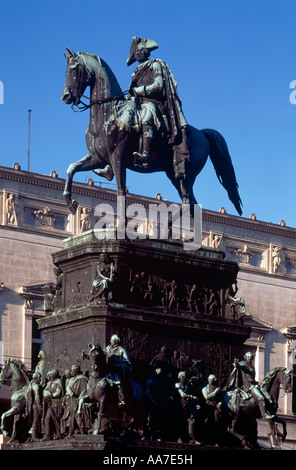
34,406
189,402
119,368
52,405
39,369
154,88
213,406
159,399
76,389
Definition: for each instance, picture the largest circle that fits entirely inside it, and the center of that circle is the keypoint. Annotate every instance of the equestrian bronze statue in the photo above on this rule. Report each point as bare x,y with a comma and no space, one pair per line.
143,129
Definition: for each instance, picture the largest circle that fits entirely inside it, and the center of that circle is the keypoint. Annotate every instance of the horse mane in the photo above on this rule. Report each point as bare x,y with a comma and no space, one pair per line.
270,376
21,366
91,55
112,79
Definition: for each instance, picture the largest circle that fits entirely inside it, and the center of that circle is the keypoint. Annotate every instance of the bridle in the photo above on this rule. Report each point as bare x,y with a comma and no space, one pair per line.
98,102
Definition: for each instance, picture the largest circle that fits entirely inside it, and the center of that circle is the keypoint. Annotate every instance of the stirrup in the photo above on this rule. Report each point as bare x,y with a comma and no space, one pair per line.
140,160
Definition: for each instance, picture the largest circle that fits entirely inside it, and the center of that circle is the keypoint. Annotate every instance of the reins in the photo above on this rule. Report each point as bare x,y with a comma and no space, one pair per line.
92,101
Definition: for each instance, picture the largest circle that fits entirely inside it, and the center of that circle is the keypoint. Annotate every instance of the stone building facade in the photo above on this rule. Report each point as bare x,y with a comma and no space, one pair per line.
34,221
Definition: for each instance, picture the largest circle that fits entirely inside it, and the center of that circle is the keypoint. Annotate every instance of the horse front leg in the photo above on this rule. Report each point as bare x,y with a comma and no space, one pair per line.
101,414
88,163
5,415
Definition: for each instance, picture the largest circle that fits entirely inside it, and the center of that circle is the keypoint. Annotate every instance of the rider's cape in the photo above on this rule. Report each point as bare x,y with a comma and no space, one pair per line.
235,379
170,106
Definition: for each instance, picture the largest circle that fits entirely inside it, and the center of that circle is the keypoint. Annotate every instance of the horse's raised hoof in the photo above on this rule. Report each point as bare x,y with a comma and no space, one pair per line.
73,207
71,203
106,173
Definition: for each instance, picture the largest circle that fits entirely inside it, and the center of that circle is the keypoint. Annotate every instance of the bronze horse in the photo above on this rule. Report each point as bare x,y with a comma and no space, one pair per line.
16,372
102,392
245,410
111,145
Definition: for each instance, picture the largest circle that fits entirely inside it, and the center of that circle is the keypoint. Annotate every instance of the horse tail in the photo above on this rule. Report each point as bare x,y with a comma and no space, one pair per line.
222,163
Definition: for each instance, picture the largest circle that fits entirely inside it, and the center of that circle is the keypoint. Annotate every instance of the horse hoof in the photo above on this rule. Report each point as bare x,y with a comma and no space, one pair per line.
73,207
106,173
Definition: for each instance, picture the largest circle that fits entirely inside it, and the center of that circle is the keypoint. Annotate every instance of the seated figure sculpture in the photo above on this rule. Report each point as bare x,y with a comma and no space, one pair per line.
243,377
154,88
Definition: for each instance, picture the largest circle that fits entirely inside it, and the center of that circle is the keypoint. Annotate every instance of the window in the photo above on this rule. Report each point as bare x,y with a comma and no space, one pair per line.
37,343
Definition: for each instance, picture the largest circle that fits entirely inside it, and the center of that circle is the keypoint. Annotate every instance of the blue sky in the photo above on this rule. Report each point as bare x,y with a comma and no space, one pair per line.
234,61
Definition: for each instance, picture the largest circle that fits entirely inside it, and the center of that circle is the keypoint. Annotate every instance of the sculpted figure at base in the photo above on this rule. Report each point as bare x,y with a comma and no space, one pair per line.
164,409
39,369
189,403
212,396
34,406
243,377
119,367
76,388
160,405
52,405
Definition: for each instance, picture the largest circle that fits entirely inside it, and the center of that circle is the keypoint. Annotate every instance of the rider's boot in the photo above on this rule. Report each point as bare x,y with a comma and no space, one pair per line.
141,159
264,413
121,399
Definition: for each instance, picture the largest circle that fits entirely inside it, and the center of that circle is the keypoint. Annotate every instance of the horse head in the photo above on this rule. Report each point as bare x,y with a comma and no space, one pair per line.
287,381
78,77
7,370
14,370
97,357
274,379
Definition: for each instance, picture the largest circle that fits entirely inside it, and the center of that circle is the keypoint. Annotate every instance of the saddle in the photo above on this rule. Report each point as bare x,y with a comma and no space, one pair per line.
126,115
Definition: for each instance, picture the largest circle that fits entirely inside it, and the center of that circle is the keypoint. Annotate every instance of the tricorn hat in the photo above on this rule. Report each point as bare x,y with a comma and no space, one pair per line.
140,42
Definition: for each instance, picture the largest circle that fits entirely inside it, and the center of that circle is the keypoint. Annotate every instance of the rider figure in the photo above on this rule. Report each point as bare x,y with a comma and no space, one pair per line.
155,89
245,380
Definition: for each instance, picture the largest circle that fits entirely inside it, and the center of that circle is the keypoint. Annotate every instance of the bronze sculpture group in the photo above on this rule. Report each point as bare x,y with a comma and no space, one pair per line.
162,403
169,400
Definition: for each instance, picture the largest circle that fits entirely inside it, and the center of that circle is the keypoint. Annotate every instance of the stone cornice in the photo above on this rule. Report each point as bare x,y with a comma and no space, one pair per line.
83,189
49,182
246,224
